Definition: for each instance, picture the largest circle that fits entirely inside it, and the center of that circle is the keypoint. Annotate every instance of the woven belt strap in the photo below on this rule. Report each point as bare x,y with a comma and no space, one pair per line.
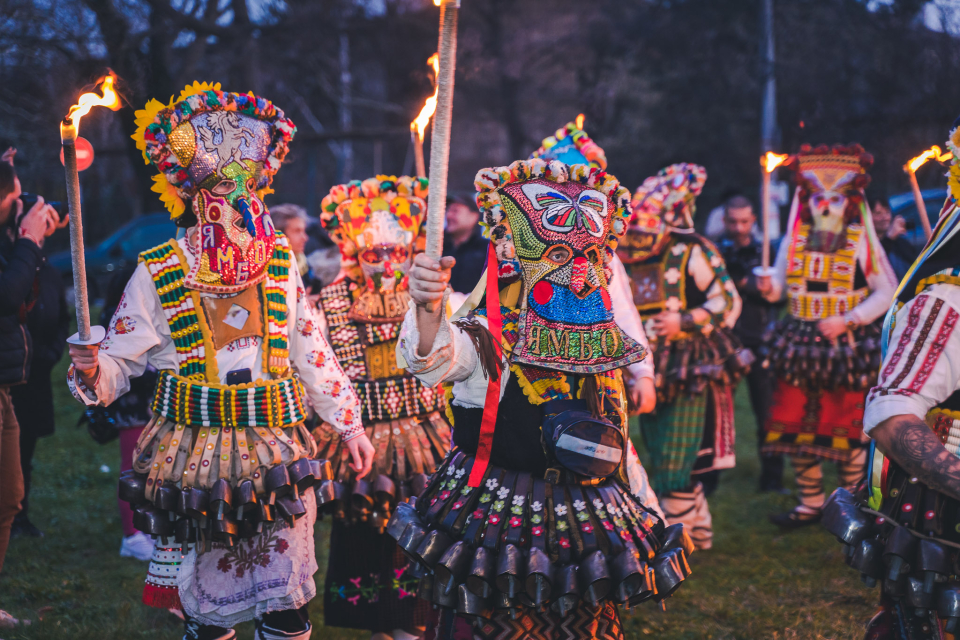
271,404
399,397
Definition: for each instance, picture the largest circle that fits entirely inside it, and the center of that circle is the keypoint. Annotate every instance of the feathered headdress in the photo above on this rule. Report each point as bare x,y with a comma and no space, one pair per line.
183,157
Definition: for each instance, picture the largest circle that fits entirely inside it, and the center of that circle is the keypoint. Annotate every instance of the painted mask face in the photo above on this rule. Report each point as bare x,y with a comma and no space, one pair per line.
827,209
646,236
234,243
383,232
225,153
559,231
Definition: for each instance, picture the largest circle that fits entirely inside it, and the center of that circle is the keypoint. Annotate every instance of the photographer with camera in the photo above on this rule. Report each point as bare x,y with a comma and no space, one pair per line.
22,234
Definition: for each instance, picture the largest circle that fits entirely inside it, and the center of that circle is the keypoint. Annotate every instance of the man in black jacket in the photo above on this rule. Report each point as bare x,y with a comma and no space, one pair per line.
464,241
742,252
20,257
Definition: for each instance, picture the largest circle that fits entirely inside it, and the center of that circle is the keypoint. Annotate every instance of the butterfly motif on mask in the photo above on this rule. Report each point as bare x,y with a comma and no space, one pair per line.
562,214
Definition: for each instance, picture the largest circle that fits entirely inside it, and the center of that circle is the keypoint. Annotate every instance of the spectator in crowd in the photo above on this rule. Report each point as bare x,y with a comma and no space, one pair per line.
129,414
715,227
463,239
742,252
892,233
21,241
49,324
293,221
323,254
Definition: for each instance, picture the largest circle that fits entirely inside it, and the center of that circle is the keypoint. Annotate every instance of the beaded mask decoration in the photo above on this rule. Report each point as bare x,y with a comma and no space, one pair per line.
830,183
555,227
670,195
219,150
377,223
571,145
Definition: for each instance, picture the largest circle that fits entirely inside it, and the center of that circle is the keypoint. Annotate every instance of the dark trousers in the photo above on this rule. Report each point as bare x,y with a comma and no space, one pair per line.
760,383
28,446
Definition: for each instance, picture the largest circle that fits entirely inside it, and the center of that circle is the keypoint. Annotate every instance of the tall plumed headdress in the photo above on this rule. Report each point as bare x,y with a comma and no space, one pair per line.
571,145
220,151
204,134
378,225
841,169
671,195
554,227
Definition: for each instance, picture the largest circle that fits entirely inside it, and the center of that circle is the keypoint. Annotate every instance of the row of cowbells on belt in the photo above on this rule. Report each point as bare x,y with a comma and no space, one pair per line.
367,502
687,366
478,581
222,512
800,355
913,568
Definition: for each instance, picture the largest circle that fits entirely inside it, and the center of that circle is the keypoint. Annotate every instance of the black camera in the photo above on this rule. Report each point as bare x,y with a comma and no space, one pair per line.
30,199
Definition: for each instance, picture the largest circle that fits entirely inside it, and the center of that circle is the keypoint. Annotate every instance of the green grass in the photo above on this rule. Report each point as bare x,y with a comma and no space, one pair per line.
755,583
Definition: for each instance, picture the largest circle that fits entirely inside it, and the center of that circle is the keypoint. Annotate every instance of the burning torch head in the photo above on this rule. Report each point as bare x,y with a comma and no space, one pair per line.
220,151
377,224
555,228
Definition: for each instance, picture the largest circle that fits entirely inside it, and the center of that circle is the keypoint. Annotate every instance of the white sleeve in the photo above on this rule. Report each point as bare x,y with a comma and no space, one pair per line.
138,334
922,367
328,387
883,285
628,318
705,277
452,358
779,277
640,483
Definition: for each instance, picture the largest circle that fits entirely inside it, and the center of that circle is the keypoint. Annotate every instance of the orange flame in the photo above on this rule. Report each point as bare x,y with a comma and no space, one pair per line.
420,123
931,153
579,121
87,101
436,3
773,160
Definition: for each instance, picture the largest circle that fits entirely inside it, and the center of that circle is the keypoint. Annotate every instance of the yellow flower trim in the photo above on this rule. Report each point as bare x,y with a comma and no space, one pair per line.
143,119
953,181
448,394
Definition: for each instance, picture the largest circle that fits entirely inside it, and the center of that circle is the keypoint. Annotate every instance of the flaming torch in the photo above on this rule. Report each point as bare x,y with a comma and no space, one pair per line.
418,128
911,169
770,161
69,128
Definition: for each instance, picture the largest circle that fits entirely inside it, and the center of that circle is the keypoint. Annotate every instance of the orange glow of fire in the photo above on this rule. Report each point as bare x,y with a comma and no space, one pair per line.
934,153
436,3
773,160
420,123
580,121
87,101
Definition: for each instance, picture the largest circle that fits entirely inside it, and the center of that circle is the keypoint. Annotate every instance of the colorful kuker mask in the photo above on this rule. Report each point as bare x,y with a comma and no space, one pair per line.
830,184
571,145
377,224
556,226
220,150
671,195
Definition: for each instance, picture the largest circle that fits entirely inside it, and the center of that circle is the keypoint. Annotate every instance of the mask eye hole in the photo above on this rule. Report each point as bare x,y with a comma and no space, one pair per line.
224,188
592,255
398,255
371,256
558,255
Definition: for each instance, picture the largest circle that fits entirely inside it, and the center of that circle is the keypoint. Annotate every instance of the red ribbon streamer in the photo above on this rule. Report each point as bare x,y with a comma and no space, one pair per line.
492,402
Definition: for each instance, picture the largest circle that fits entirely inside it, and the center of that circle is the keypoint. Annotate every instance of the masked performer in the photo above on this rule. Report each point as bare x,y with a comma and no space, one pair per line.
689,304
529,528
223,475
378,225
826,351
571,145
903,531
